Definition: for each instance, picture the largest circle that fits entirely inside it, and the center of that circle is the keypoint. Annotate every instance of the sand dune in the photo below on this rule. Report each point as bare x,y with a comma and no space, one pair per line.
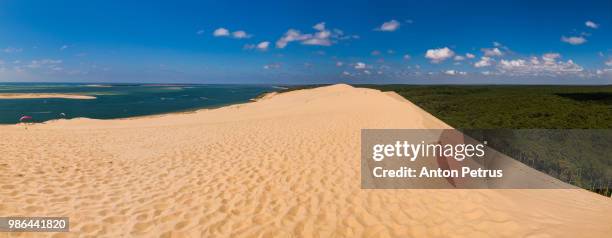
43,95
284,166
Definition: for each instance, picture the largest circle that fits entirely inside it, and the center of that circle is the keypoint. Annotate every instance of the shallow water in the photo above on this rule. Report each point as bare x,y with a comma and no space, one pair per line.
119,100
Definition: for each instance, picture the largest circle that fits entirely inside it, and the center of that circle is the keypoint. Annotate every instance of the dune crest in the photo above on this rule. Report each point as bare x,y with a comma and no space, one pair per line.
284,166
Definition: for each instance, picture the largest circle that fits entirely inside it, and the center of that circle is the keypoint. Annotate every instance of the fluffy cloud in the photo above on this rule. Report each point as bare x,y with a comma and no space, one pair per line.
459,58
546,65
389,26
263,45
454,72
601,72
591,24
574,40
289,36
323,37
240,35
469,56
320,38
492,52
360,65
221,32
483,62
12,50
407,57
550,57
609,62
319,26
439,55
272,66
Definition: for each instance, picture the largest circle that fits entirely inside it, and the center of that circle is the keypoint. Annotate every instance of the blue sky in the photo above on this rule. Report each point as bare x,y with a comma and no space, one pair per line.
430,42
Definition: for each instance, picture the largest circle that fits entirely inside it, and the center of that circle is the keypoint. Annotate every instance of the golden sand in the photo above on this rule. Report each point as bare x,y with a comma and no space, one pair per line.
285,166
43,95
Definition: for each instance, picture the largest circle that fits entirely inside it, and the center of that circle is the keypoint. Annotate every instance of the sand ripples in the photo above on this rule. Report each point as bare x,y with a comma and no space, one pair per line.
286,166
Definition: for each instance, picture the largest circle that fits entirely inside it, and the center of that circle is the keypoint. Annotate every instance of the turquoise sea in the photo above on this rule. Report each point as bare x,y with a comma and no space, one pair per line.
120,100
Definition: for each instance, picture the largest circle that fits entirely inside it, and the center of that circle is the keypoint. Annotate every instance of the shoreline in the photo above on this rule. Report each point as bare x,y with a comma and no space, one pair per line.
260,97
10,96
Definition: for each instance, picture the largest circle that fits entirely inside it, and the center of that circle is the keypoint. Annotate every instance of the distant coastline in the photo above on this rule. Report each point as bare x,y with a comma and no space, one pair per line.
44,95
67,101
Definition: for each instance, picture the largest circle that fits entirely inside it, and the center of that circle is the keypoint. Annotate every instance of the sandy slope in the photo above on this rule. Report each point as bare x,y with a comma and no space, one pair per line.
280,167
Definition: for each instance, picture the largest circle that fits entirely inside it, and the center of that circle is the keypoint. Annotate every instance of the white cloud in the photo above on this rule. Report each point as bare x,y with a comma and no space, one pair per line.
483,62
221,32
289,36
609,62
550,57
601,72
272,66
12,50
459,58
319,26
389,26
469,56
63,47
240,35
509,64
34,64
591,24
492,52
454,72
574,40
339,64
224,32
536,67
407,57
322,37
263,45
439,55
317,41
360,65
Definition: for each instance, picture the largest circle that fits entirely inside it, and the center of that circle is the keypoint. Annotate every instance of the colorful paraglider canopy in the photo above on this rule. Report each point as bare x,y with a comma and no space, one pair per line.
25,118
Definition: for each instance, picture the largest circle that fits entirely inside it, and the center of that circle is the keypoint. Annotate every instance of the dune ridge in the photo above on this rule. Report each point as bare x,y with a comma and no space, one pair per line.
286,166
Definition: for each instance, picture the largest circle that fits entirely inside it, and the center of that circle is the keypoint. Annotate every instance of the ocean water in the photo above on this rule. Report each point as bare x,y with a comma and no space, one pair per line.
120,100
